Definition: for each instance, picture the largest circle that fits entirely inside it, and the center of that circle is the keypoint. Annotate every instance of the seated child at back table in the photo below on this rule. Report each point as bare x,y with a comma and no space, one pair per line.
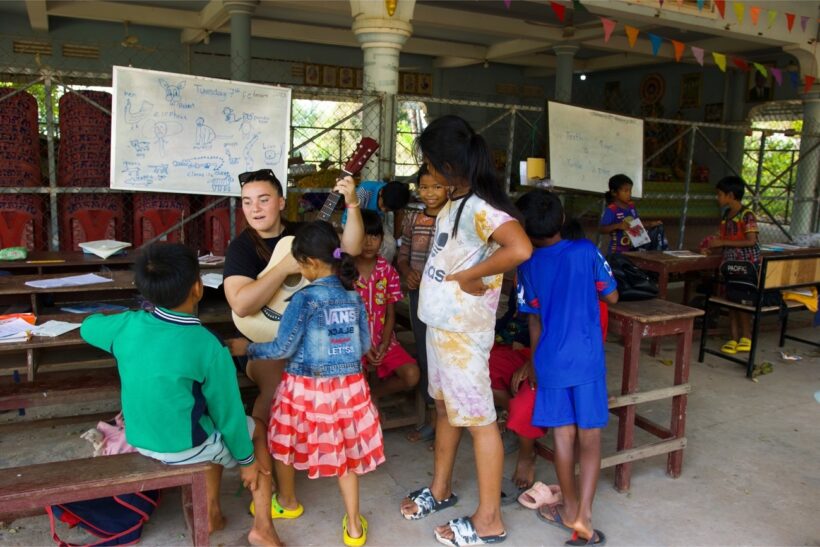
180,397
379,286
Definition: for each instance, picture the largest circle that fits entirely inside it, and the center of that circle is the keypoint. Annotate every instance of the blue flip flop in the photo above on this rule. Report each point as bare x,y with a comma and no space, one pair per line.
427,503
556,517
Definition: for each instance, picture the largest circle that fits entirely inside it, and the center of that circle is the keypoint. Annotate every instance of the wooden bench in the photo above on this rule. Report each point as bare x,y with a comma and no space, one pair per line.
636,321
36,486
776,273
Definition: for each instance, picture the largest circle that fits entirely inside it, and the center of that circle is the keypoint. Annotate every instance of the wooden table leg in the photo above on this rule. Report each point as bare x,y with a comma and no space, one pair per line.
195,509
663,286
674,462
626,417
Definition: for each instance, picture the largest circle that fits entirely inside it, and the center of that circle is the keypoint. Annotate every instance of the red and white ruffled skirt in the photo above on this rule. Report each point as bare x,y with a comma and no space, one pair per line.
326,426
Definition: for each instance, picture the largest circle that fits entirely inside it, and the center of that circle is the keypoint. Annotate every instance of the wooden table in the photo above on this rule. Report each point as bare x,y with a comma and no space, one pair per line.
39,262
15,285
635,321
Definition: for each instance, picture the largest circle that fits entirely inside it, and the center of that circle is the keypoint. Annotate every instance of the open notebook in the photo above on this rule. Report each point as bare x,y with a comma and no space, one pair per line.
103,248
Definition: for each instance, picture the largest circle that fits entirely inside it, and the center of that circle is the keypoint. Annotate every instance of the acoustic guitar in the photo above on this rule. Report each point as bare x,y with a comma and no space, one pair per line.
263,325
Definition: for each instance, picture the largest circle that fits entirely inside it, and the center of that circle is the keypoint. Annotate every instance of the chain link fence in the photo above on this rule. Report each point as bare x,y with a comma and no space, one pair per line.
55,132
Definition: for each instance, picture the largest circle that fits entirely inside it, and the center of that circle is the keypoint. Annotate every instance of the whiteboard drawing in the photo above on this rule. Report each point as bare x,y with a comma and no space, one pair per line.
173,92
204,134
163,130
194,135
134,118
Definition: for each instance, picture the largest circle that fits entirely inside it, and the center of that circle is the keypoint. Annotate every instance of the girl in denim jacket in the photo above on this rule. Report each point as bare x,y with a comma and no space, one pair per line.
322,419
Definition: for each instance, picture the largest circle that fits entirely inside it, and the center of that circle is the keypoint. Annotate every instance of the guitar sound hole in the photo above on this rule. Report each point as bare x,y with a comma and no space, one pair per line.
292,280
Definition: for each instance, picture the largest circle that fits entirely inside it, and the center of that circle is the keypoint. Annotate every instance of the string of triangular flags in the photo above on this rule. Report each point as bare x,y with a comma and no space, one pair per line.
720,59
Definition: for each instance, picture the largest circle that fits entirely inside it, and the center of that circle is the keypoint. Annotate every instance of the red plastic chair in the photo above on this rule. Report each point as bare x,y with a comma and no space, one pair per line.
91,218
21,222
155,213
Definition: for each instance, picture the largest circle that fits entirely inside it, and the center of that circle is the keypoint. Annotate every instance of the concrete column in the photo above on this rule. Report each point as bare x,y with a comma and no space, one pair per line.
805,212
240,12
563,72
381,37
736,113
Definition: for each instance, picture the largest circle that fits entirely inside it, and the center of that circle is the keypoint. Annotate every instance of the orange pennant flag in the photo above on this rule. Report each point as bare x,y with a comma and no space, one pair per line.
720,60
631,34
740,9
679,47
754,13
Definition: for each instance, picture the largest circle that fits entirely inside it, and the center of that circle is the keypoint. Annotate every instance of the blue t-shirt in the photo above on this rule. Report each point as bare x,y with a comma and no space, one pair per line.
559,284
619,242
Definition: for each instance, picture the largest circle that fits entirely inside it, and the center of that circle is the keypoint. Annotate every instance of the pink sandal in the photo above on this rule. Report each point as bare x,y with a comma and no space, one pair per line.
541,494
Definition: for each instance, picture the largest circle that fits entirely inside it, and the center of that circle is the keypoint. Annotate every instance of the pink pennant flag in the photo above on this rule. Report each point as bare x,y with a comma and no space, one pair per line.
720,60
809,81
762,69
609,26
754,13
804,20
789,21
559,10
721,6
778,75
679,47
507,3
772,17
698,53
631,34
740,9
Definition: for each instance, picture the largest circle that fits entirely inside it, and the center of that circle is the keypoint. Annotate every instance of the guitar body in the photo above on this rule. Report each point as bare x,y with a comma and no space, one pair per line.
263,325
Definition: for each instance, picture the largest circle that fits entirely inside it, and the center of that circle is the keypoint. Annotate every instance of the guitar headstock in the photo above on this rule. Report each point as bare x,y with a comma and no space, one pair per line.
364,150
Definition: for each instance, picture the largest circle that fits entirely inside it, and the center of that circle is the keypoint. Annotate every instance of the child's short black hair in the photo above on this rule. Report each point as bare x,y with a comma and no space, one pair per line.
395,195
572,230
165,272
543,213
422,172
732,185
372,223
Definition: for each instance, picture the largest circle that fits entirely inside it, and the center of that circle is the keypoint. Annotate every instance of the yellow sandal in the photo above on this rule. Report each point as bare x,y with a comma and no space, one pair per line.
354,542
744,345
279,512
729,347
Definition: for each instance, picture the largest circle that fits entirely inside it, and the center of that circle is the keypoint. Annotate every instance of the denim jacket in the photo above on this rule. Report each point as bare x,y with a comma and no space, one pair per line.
323,332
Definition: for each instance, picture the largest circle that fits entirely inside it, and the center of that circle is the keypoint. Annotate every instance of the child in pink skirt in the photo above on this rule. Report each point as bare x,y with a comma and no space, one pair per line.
322,419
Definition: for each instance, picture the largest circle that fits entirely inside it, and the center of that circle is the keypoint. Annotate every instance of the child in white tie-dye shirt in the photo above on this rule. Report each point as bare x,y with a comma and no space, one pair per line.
477,239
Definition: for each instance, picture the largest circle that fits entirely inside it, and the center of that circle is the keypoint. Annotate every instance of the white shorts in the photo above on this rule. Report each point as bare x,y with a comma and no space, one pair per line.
213,450
459,374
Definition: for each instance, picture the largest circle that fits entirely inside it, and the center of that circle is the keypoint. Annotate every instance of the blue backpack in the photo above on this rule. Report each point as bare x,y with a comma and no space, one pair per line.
116,520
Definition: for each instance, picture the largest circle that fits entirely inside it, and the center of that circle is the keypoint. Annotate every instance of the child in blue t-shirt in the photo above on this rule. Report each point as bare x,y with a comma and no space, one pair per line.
619,213
560,286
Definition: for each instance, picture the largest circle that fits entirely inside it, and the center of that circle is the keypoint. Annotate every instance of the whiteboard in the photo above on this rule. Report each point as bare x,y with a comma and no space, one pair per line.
589,146
193,135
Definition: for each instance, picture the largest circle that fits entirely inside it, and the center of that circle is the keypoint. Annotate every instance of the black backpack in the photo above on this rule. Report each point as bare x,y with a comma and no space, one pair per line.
741,278
633,282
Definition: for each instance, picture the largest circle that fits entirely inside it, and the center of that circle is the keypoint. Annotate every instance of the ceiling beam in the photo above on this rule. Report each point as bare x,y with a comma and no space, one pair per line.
122,11
37,15
211,17
454,62
513,48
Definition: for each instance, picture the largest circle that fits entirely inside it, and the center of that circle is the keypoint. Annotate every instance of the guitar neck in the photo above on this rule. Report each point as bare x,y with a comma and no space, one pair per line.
331,202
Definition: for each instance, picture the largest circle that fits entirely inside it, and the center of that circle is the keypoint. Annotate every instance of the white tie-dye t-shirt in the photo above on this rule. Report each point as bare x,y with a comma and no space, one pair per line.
442,304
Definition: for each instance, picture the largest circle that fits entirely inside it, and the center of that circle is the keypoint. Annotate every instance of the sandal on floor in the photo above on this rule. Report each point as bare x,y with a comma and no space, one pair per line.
541,494
744,345
427,504
509,491
465,534
554,518
279,512
729,347
598,538
423,433
354,542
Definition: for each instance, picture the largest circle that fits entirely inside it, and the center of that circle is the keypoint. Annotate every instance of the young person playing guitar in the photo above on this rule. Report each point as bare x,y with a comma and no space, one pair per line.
249,254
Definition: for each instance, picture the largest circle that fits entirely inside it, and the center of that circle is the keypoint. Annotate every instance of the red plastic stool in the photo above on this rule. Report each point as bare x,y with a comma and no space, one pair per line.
155,213
88,217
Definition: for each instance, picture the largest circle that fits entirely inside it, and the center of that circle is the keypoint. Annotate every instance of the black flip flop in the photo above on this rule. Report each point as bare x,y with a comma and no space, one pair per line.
509,491
598,538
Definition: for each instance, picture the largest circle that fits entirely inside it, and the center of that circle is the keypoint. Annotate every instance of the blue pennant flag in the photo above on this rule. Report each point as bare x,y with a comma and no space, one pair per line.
656,43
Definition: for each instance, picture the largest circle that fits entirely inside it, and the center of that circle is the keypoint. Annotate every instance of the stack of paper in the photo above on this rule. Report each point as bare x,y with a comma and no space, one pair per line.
103,248
70,281
54,328
14,330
